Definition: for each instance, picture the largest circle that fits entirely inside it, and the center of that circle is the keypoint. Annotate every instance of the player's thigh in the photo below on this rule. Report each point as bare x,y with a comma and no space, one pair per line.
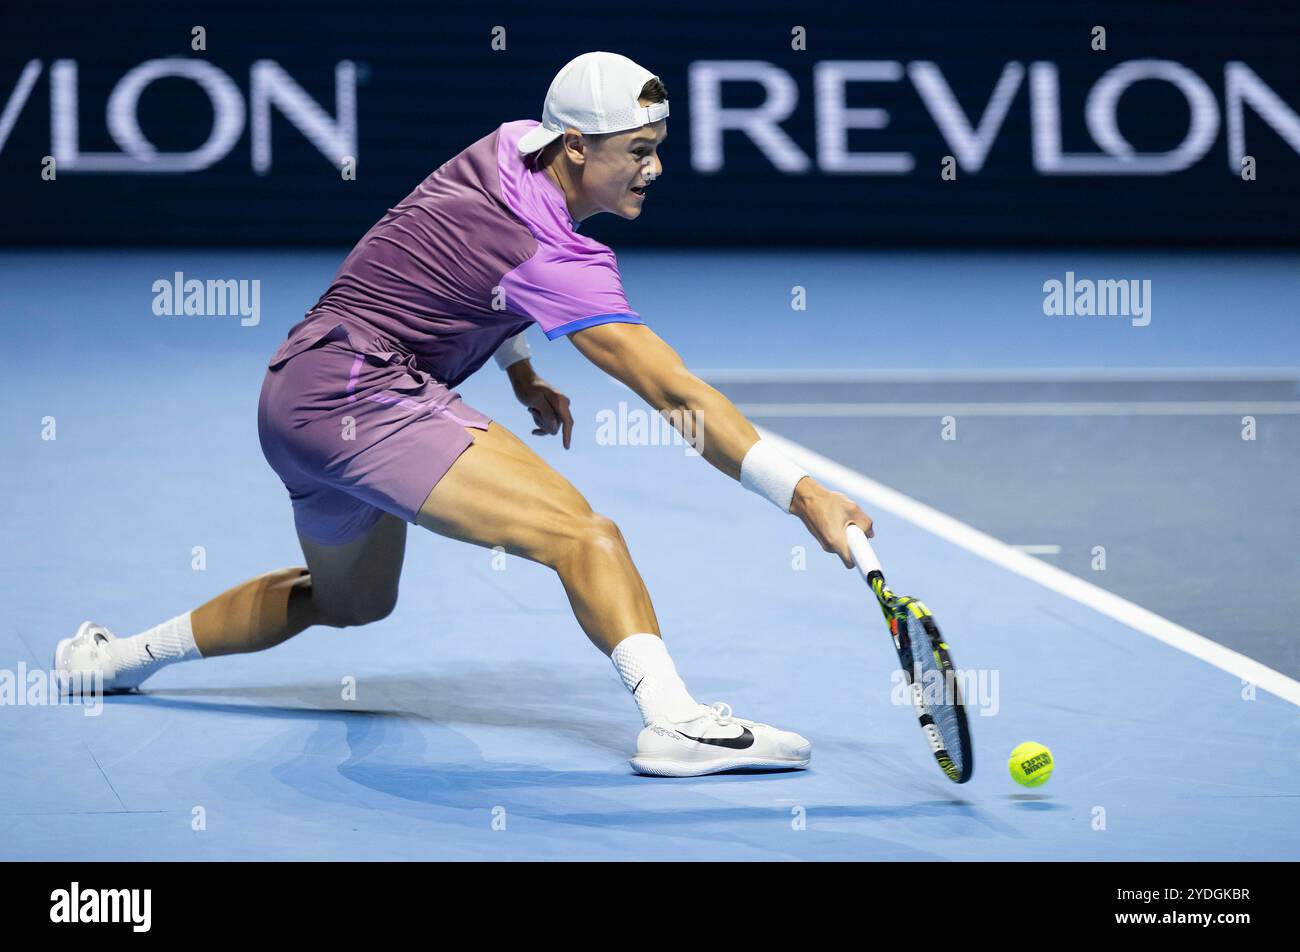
500,493
356,582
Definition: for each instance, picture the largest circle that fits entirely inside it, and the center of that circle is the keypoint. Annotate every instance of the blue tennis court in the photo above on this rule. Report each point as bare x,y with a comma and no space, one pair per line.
476,722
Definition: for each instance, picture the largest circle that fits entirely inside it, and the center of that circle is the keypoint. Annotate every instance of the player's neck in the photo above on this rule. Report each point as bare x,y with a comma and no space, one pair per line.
564,180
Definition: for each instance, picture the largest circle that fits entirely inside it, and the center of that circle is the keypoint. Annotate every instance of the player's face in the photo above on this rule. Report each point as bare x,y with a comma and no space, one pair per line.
619,168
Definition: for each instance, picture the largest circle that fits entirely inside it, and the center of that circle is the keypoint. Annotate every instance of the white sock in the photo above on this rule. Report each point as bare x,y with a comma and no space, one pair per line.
141,655
642,662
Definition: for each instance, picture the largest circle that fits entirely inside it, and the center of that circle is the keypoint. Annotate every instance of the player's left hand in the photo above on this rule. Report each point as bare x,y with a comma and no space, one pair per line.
549,407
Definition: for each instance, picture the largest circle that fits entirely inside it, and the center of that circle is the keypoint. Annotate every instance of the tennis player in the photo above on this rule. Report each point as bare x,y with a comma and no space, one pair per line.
360,418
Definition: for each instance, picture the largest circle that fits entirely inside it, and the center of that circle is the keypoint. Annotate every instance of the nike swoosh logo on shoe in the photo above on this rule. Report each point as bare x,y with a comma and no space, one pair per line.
743,741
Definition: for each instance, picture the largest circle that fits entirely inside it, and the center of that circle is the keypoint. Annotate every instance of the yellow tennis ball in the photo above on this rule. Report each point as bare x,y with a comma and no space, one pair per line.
1030,764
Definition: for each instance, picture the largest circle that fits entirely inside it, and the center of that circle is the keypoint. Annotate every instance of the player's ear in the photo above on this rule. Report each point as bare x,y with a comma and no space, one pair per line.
575,146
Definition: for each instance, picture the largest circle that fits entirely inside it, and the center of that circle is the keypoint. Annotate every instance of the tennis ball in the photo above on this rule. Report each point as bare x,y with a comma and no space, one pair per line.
1030,764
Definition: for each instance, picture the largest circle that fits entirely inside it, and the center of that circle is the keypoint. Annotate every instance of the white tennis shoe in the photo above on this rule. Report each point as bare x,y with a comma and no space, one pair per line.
714,741
89,650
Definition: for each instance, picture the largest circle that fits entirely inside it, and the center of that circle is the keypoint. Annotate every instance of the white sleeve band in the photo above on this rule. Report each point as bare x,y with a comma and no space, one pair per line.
513,350
766,471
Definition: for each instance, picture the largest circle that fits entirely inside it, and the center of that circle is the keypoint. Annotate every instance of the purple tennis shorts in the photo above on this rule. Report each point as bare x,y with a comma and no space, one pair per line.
355,429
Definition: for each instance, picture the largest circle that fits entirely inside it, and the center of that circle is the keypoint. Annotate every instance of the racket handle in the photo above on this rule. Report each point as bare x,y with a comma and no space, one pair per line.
863,555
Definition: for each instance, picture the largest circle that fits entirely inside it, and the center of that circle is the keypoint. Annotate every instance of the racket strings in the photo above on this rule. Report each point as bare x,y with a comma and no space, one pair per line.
939,690
919,646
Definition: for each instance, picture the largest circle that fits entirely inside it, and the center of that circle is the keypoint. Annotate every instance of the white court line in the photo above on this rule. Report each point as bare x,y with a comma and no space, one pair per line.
1027,408
1006,375
876,494
1038,549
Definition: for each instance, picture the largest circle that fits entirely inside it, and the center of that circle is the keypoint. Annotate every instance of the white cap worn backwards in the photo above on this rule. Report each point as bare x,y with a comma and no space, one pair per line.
595,93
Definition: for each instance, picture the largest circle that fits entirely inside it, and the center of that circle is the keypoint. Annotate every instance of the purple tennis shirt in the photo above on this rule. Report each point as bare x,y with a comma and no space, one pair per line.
483,248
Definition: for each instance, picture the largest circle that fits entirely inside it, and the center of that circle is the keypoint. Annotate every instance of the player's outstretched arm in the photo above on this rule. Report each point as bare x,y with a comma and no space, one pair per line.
639,358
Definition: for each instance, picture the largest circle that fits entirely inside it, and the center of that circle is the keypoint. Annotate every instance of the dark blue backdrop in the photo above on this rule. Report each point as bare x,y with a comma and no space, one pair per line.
424,80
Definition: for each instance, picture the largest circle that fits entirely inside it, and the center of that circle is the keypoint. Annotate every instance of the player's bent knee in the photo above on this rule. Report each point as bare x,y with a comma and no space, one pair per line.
590,534
604,531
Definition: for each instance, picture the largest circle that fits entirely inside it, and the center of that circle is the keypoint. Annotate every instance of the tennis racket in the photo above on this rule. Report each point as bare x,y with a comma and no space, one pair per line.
926,663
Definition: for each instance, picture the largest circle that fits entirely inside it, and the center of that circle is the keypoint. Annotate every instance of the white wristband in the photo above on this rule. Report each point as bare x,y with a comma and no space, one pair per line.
766,471
513,350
